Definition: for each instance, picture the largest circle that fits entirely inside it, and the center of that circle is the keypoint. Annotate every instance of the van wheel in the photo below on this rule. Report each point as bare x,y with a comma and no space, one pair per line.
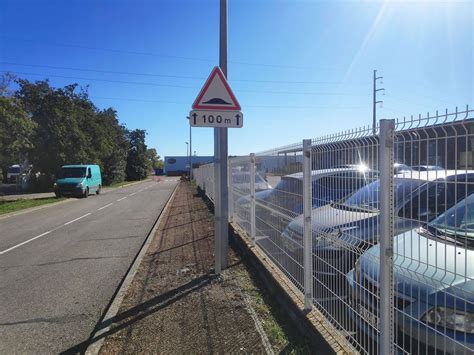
98,190
86,193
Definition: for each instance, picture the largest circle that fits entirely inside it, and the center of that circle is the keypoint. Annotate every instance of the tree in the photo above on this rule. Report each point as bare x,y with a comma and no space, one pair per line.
16,131
71,130
154,159
110,146
63,118
137,160
6,79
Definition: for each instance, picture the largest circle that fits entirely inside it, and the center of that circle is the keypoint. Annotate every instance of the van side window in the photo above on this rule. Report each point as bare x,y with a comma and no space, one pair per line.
89,172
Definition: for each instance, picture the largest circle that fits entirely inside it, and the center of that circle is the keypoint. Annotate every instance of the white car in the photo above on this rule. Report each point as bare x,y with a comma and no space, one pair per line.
13,173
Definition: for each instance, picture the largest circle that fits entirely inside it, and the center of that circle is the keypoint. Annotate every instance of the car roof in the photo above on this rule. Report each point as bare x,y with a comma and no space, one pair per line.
426,166
317,174
431,175
78,166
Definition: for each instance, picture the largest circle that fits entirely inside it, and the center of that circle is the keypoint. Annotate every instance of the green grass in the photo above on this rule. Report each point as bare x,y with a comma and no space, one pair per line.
13,206
278,326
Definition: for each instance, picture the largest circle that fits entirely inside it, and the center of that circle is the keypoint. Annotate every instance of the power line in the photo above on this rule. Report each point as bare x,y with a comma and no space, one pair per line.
183,86
103,71
104,80
173,76
164,55
250,106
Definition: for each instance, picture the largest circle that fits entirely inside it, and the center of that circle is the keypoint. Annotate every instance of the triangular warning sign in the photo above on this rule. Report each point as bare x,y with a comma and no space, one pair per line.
216,94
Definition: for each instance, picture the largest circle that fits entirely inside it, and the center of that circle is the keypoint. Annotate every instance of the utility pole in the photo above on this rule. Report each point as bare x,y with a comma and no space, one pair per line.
375,102
221,204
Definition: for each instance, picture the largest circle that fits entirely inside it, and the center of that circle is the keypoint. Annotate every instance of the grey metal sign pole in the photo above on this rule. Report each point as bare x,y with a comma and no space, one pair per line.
221,202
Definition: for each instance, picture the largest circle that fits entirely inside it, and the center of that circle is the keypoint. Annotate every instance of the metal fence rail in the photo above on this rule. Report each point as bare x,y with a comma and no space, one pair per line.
376,230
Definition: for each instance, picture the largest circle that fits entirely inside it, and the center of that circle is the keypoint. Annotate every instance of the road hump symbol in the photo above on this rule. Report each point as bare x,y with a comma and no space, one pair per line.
216,94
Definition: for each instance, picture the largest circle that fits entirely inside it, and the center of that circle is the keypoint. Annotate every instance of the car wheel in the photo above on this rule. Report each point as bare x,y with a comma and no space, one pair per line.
86,193
98,190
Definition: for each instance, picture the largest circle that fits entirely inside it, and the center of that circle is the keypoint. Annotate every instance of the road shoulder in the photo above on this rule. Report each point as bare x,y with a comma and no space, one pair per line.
176,304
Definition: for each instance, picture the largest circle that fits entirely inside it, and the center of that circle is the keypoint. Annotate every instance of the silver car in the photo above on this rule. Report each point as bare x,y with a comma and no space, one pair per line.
342,231
434,278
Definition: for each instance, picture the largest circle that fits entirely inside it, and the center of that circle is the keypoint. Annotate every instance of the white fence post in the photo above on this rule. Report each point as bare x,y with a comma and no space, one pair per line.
386,159
253,226
307,226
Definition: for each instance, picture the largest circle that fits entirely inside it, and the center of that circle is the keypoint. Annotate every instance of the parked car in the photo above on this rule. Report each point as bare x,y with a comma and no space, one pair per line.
241,181
285,201
397,167
401,168
426,167
13,173
434,278
343,230
78,180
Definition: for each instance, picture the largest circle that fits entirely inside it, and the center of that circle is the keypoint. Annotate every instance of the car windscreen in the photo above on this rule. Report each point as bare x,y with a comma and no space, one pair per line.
458,221
242,178
368,197
73,172
259,179
289,184
14,170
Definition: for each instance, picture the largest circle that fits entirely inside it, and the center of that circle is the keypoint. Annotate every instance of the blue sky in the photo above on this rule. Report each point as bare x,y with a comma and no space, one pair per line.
300,69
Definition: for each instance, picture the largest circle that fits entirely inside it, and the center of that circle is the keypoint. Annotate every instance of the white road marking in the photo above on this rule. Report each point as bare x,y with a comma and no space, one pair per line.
25,242
74,220
110,204
65,224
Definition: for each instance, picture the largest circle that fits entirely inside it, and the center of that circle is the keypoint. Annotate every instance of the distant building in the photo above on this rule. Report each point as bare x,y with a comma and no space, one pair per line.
179,165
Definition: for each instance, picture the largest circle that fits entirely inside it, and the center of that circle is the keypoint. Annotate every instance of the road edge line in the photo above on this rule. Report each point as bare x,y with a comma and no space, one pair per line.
116,302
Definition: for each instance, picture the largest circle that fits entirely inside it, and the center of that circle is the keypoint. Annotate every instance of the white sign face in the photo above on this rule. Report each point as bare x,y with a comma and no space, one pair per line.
224,119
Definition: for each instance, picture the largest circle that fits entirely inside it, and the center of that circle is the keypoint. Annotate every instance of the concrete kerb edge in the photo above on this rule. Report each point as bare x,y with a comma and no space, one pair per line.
314,320
26,210
114,307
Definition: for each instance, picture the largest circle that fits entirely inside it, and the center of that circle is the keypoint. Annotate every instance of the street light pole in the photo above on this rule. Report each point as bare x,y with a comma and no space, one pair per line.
190,155
190,152
187,149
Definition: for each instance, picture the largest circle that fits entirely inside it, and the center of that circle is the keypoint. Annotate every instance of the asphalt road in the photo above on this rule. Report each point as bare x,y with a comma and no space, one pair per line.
60,266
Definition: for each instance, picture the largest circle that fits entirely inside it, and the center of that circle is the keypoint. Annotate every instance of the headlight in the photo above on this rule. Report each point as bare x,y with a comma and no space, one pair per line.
55,185
450,318
81,184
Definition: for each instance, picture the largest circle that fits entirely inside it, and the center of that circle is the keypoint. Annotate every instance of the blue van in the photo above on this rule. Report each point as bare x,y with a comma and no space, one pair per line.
78,180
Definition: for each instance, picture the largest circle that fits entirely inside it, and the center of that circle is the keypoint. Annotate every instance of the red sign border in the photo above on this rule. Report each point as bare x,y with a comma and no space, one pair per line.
216,71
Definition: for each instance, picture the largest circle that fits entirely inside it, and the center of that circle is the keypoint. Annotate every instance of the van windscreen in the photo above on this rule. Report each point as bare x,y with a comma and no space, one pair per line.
73,172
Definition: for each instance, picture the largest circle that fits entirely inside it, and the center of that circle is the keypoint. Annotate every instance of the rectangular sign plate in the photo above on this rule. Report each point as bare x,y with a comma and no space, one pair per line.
224,119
